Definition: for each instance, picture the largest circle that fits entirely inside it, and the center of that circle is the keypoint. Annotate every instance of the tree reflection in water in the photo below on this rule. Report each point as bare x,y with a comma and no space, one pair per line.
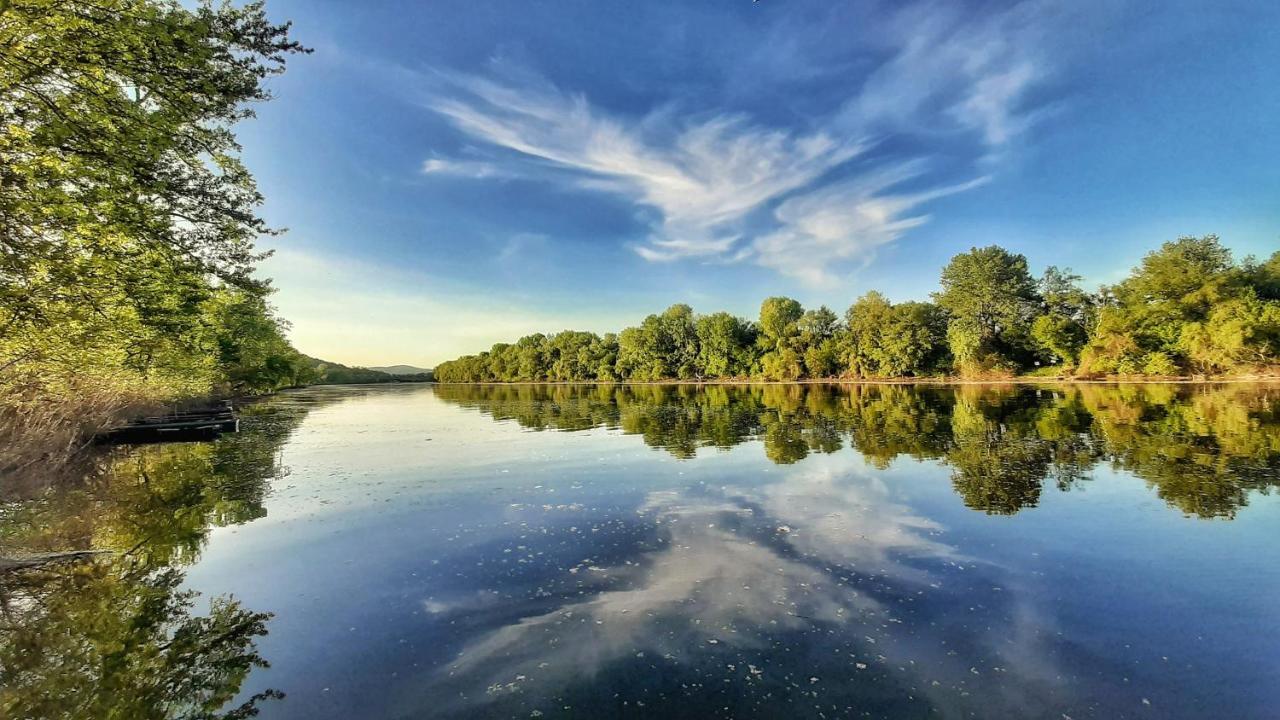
116,635
1203,449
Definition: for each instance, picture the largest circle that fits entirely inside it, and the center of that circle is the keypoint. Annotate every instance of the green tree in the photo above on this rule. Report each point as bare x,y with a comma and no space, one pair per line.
914,341
887,340
1240,332
1176,287
678,341
779,317
724,345
127,219
817,341
1063,330
779,339
992,300
866,321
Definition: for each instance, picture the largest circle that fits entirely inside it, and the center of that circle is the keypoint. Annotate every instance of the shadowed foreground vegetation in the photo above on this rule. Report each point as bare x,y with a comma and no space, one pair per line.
1189,308
1203,449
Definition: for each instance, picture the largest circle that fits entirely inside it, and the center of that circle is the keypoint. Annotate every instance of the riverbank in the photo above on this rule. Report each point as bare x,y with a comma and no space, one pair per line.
1016,380
48,438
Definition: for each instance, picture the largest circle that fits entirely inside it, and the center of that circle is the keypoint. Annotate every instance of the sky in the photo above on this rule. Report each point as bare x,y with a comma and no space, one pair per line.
453,174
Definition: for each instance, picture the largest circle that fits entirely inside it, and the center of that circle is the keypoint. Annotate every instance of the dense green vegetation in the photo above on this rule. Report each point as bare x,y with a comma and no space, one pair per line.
127,220
1202,448
1189,308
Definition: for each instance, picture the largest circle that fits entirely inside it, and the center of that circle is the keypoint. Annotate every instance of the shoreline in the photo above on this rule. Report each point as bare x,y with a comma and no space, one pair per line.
1262,379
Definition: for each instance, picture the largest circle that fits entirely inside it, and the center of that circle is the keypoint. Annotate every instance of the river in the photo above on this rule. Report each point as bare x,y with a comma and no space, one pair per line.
452,551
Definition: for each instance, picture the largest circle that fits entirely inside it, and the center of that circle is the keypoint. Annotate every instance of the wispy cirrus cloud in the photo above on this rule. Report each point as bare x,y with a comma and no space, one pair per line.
844,222
948,73
807,202
702,177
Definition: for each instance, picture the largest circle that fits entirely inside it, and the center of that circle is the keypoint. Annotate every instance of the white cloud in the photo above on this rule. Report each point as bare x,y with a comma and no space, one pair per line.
702,177
713,178
477,169
950,71
844,222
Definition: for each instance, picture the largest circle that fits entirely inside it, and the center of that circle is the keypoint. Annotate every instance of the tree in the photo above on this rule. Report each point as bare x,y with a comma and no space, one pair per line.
1063,330
865,322
1162,314
118,145
782,364
817,341
127,218
678,341
887,340
531,357
991,296
604,357
1243,331
253,355
778,340
724,345
914,341
778,320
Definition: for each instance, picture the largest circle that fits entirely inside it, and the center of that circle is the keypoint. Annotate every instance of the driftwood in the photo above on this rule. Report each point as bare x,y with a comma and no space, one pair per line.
35,561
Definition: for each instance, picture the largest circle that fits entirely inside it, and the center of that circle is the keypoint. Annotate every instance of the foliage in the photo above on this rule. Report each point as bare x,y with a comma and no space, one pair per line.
1063,328
1188,306
887,340
127,219
990,294
724,345
991,318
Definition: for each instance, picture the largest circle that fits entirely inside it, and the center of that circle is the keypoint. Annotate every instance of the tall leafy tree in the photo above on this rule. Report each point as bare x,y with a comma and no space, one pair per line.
781,358
866,321
1187,305
127,219
992,300
1063,329
724,345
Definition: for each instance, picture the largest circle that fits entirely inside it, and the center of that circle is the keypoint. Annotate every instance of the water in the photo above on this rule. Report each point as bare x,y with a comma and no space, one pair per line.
674,552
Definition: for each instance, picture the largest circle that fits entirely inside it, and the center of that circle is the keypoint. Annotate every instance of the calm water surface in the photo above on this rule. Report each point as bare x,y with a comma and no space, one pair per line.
669,552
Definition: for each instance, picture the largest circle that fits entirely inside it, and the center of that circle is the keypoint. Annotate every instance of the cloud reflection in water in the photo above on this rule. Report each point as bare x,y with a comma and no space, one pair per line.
823,562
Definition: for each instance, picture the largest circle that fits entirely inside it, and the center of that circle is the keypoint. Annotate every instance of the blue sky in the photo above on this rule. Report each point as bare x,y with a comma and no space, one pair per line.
457,173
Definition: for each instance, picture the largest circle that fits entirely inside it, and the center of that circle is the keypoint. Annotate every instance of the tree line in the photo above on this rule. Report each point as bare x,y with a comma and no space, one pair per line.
1188,308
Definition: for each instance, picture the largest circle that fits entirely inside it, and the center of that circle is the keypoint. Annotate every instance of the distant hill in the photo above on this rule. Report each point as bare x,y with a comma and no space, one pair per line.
401,369
332,373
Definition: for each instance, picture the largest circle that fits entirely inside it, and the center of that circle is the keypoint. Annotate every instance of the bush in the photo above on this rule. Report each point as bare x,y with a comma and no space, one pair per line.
1159,363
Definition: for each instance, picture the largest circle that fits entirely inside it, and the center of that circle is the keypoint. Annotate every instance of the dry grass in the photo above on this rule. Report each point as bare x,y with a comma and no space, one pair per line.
47,435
